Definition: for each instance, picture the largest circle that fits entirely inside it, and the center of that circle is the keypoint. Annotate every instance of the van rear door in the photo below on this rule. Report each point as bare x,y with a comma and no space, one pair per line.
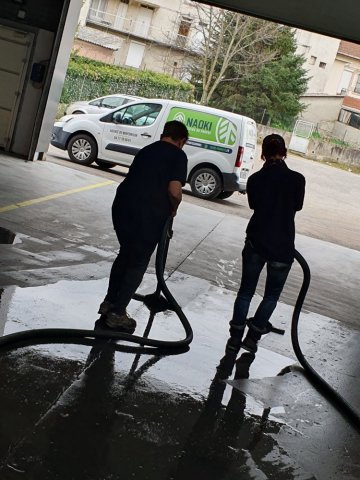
246,152
250,143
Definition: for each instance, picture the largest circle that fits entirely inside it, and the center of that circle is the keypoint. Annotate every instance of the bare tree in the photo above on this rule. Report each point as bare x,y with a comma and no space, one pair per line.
227,39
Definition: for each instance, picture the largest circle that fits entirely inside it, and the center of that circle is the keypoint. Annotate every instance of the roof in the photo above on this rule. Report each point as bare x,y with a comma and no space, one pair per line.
98,37
349,49
352,102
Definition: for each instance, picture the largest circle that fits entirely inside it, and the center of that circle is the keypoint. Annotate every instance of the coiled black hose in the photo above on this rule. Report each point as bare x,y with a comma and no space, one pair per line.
341,404
65,333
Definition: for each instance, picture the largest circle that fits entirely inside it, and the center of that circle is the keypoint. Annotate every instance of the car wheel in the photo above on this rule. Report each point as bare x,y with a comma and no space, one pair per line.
82,149
77,112
223,195
105,164
206,183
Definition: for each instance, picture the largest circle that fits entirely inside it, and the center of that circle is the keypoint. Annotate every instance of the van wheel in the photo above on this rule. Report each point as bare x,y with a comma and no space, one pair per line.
223,195
82,149
104,164
206,183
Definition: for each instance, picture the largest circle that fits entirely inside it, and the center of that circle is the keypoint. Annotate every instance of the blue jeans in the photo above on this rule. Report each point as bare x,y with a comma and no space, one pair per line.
252,266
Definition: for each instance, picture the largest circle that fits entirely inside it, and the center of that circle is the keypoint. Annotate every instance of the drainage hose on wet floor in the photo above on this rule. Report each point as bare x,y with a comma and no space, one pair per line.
161,254
341,404
169,300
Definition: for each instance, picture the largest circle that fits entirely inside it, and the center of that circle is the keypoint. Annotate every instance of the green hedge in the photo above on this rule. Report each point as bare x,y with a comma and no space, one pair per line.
87,79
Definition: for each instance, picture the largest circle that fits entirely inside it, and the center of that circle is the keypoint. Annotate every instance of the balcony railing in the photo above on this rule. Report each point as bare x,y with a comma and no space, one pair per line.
138,28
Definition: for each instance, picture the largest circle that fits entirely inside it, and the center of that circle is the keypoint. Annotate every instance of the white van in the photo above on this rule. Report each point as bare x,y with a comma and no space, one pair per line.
220,149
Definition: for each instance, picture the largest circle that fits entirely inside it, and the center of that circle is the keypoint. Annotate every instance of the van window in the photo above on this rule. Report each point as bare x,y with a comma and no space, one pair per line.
138,115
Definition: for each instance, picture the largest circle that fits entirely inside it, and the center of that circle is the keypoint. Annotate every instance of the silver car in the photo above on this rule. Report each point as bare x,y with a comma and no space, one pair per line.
101,105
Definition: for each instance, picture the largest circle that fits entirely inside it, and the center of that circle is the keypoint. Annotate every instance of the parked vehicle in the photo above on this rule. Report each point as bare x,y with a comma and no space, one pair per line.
221,147
101,105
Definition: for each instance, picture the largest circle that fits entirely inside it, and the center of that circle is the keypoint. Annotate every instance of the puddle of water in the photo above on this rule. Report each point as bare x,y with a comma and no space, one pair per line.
74,304
175,401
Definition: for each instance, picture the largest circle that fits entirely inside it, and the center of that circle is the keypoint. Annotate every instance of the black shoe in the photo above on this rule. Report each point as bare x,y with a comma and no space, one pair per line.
120,322
105,307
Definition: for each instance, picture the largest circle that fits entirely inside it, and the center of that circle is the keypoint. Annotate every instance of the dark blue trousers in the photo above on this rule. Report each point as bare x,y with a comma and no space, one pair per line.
252,266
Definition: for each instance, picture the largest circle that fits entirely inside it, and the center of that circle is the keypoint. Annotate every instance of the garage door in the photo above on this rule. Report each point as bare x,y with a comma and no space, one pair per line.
15,48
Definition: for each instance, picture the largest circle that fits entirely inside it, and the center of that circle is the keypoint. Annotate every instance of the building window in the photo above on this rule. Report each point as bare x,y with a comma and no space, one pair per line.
344,82
357,85
143,21
97,9
355,120
322,64
312,60
121,22
350,118
183,32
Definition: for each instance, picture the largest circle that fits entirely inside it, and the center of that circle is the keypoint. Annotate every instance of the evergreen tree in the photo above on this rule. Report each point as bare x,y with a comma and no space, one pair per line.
270,92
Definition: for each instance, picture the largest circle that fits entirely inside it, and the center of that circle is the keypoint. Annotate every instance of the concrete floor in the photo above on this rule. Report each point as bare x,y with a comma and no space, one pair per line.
72,411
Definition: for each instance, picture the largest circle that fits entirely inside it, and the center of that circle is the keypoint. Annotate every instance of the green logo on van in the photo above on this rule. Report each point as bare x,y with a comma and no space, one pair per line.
226,132
205,126
180,117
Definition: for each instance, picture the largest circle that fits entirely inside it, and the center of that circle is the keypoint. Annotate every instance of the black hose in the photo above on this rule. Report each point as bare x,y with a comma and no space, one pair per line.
342,405
73,334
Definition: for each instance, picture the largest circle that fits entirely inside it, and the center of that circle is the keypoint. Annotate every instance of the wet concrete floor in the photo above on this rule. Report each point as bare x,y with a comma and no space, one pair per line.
104,411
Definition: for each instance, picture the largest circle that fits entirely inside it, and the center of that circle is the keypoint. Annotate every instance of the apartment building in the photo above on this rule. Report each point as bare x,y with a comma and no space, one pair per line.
155,35
348,59
333,93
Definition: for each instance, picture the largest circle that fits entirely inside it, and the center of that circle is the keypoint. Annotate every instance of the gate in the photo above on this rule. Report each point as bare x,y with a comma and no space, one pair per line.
300,137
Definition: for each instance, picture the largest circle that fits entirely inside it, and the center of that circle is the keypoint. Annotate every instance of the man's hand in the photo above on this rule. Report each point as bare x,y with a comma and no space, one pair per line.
175,195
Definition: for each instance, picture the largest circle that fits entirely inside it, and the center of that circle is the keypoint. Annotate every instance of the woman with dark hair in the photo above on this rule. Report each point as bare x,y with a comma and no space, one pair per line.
275,193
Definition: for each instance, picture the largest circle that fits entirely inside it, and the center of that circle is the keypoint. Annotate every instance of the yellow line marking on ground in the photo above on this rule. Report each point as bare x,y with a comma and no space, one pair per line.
27,203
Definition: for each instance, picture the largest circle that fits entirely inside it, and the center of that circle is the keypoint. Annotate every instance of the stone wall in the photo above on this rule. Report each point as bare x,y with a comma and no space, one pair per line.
347,133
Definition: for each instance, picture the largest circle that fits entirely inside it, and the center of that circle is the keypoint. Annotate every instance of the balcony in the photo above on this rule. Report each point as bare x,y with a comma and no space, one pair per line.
136,28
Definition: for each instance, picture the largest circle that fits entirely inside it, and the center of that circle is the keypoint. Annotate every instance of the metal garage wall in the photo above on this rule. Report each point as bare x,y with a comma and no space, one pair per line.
15,49
44,21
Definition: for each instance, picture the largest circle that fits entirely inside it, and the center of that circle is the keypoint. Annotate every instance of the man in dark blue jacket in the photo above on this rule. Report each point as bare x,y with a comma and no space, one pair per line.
275,193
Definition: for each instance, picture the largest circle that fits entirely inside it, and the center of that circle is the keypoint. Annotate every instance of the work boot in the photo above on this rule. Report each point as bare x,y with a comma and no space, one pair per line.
105,307
122,322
